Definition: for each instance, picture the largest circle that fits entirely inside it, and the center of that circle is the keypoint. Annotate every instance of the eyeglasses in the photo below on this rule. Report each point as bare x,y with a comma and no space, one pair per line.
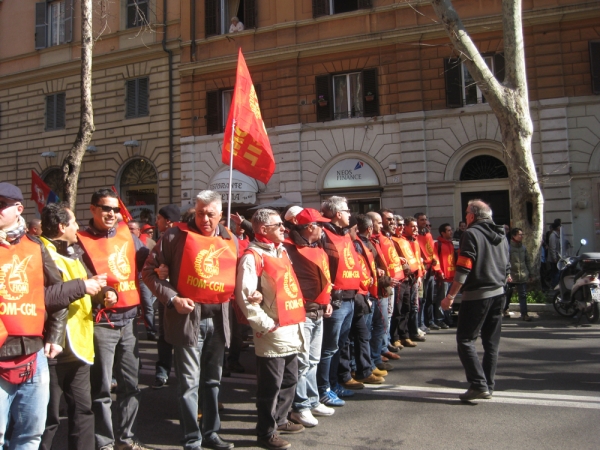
4,205
107,209
345,210
278,224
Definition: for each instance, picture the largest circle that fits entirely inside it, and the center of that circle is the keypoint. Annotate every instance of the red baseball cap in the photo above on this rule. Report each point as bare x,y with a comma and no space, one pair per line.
146,227
310,215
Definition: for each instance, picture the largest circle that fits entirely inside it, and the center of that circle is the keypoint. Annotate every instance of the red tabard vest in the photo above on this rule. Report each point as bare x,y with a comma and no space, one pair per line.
22,289
207,273
391,257
317,256
371,271
376,241
445,250
115,257
410,252
290,305
348,276
426,247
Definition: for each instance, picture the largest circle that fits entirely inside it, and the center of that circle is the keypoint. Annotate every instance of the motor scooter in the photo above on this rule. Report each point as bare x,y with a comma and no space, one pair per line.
578,289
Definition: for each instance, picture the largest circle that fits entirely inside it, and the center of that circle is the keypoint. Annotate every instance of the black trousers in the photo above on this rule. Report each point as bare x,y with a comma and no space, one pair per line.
406,308
276,379
358,342
72,379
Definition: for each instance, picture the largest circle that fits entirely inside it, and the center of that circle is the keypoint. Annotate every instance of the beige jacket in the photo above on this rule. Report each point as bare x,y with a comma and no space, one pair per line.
270,341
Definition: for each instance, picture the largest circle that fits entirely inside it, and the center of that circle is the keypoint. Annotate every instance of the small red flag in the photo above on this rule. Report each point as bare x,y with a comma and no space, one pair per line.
41,193
252,154
127,217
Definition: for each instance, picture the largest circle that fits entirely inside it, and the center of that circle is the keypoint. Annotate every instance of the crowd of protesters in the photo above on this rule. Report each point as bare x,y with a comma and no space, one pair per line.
330,298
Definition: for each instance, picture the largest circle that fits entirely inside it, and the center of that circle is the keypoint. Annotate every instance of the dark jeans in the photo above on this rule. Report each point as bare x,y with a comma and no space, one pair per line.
72,379
439,315
426,303
276,379
485,317
406,308
377,325
236,343
147,301
359,337
165,350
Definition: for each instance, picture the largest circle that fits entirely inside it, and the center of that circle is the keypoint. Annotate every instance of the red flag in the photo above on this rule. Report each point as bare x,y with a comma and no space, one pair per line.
252,154
127,217
41,193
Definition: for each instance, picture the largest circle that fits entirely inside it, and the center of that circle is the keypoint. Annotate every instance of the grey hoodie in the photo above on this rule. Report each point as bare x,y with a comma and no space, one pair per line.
483,263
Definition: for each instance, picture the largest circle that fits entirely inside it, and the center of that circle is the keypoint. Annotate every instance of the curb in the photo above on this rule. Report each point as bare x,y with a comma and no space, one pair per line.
533,307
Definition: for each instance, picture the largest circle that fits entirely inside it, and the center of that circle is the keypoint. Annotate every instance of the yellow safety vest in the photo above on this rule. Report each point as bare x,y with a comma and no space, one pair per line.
80,322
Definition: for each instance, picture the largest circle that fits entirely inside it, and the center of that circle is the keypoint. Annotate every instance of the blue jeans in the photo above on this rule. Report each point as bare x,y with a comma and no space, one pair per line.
26,405
426,302
335,334
165,350
522,293
116,351
199,369
307,394
377,324
147,300
439,315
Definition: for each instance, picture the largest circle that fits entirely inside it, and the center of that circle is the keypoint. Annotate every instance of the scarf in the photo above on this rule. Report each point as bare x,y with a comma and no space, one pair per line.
11,235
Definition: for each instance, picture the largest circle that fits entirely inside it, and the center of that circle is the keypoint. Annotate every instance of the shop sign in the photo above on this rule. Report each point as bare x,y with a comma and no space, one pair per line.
243,188
350,173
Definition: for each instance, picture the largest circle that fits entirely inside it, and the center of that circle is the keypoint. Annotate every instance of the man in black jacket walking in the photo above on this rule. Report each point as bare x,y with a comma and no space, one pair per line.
481,270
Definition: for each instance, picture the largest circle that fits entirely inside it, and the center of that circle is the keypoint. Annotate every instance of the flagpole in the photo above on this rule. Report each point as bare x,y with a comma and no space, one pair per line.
230,175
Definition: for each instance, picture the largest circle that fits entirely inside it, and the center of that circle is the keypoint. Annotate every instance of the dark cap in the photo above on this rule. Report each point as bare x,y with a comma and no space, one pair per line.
170,212
310,215
11,191
352,221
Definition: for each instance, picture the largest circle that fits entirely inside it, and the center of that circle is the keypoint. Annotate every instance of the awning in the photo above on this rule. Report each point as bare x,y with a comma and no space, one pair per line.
243,188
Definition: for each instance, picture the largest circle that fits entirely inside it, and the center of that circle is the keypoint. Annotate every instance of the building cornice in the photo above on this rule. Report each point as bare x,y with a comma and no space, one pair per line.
371,40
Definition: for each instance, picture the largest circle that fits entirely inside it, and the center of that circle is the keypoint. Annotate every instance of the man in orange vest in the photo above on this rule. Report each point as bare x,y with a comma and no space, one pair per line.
109,248
432,266
444,250
33,314
201,257
277,324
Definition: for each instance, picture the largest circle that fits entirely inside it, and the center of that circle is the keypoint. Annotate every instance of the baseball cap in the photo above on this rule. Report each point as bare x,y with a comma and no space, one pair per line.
146,227
310,215
292,212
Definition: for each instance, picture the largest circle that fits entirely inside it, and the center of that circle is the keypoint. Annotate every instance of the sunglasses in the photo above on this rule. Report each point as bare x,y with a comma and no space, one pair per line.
4,205
279,224
106,208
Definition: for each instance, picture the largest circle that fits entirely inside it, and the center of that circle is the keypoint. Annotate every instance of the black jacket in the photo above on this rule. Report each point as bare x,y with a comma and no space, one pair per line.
483,262
57,298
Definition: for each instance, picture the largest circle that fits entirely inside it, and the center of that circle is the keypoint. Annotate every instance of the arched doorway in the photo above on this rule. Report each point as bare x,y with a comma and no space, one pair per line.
473,173
139,189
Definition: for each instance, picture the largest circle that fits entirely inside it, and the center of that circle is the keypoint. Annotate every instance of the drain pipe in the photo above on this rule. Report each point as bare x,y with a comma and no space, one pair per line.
170,53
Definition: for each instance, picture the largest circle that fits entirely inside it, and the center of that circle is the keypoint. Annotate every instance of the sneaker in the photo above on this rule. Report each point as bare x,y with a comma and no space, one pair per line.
291,427
421,332
353,384
526,317
444,325
424,329
379,373
342,392
372,379
408,343
506,314
434,327
398,344
385,366
418,338
330,398
159,383
305,418
472,394
274,442
323,410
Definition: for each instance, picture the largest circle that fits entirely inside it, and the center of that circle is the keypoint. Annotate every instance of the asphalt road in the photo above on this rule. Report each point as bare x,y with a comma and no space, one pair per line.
547,396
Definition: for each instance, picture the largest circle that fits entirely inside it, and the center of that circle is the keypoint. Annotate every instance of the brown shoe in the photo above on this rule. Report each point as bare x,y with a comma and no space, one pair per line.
398,345
372,379
526,317
380,373
353,384
390,355
290,428
274,442
408,343
384,359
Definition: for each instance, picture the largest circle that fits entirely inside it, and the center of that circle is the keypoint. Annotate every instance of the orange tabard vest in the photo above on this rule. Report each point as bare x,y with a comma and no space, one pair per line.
22,308
207,273
114,256
413,258
445,250
371,270
376,241
347,277
390,255
426,246
317,256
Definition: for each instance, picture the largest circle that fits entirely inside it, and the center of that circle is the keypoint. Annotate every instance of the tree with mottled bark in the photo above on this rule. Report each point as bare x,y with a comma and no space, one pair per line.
72,162
509,101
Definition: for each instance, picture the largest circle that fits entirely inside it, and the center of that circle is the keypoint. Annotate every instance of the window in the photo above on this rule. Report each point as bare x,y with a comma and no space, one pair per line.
483,167
328,7
218,14
461,88
55,111
136,102
342,96
137,13
218,104
595,66
53,23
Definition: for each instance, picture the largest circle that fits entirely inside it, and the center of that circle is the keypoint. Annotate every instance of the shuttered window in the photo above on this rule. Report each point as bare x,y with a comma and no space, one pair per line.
212,17
53,23
137,13
218,105
55,111
249,18
461,88
327,7
595,65
136,98
218,14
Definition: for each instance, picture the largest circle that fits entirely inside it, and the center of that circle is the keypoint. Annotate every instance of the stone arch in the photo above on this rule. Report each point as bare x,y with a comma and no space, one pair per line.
469,151
352,154
595,159
142,203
